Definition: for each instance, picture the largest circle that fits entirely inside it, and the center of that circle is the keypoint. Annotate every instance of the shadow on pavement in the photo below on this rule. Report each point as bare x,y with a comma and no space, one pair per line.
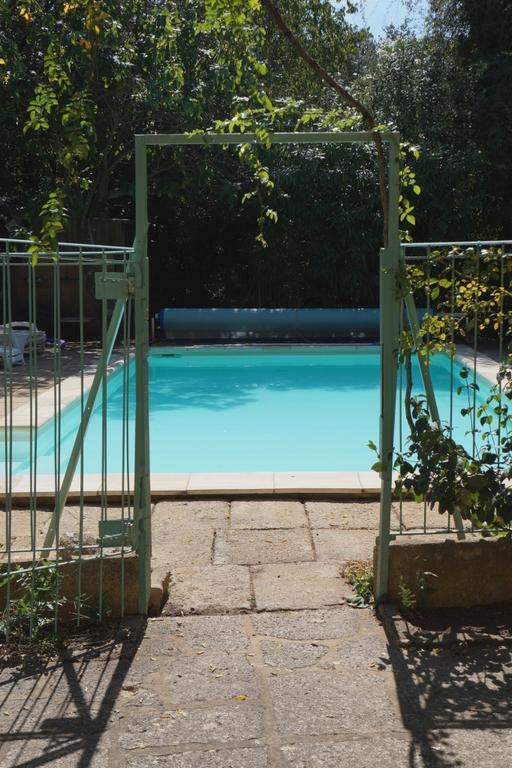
449,696
61,707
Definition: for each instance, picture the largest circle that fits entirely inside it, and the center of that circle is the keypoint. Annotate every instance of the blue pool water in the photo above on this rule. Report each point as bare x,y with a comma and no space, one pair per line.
248,409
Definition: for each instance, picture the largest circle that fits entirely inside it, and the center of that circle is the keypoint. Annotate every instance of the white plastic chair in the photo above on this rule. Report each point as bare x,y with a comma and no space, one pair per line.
10,352
27,333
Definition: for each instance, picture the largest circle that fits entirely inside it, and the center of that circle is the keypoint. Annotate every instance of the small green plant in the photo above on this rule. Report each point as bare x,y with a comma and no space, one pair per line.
407,599
422,587
35,602
359,574
411,599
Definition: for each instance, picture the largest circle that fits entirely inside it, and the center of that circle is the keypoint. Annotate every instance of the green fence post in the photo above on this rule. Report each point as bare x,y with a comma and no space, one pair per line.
389,324
142,492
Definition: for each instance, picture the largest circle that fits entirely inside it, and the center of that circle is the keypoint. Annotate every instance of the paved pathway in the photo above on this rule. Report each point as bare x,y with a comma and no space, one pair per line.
257,662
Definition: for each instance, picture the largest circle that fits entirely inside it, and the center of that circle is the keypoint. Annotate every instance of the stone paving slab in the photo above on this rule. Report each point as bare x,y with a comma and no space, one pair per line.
286,654
293,586
446,688
209,678
323,624
59,751
339,546
192,514
22,519
200,633
268,514
92,682
209,589
256,757
252,547
348,515
375,751
368,651
466,747
322,703
495,630
186,547
216,726
39,719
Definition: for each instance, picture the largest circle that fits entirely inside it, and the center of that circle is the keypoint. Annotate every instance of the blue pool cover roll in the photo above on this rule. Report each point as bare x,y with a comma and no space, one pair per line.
213,323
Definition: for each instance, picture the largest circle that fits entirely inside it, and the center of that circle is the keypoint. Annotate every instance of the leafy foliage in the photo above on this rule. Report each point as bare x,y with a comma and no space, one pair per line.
359,573
78,79
468,291
34,604
407,600
441,471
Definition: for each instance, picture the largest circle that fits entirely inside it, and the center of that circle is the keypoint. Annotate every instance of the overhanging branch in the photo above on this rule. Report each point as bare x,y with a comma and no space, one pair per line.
368,117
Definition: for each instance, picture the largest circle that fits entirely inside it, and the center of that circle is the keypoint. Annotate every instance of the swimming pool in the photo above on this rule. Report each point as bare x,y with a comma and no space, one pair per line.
247,409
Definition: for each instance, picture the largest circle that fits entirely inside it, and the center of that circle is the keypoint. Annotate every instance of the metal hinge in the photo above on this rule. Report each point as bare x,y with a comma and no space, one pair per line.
113,285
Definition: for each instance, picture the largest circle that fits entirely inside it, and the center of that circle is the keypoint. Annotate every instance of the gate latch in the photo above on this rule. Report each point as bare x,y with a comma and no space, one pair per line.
116,533
113,285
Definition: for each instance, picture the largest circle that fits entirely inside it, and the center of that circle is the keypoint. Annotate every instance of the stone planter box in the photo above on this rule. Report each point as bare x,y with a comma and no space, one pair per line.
90,585
468,573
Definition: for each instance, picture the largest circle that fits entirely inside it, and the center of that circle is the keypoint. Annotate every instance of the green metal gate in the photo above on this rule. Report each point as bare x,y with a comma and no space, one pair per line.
73,435
118,280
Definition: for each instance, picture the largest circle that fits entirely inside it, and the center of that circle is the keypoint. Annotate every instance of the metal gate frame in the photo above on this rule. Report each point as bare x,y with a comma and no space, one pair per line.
389,325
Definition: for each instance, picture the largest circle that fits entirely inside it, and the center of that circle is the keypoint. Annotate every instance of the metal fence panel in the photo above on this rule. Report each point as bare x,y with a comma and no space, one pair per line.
460,346
68,438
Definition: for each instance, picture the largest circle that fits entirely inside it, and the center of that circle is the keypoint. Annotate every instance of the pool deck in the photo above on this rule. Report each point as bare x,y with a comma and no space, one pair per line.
68,375
171,484
258,660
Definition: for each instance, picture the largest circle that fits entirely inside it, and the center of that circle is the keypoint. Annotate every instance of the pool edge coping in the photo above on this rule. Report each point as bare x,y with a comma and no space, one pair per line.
207,484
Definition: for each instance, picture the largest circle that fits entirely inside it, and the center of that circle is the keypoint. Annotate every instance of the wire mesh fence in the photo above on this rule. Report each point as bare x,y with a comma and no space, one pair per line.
66,434
453,432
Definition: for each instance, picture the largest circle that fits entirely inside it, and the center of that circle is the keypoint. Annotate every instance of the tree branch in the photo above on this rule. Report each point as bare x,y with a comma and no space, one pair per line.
369,118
